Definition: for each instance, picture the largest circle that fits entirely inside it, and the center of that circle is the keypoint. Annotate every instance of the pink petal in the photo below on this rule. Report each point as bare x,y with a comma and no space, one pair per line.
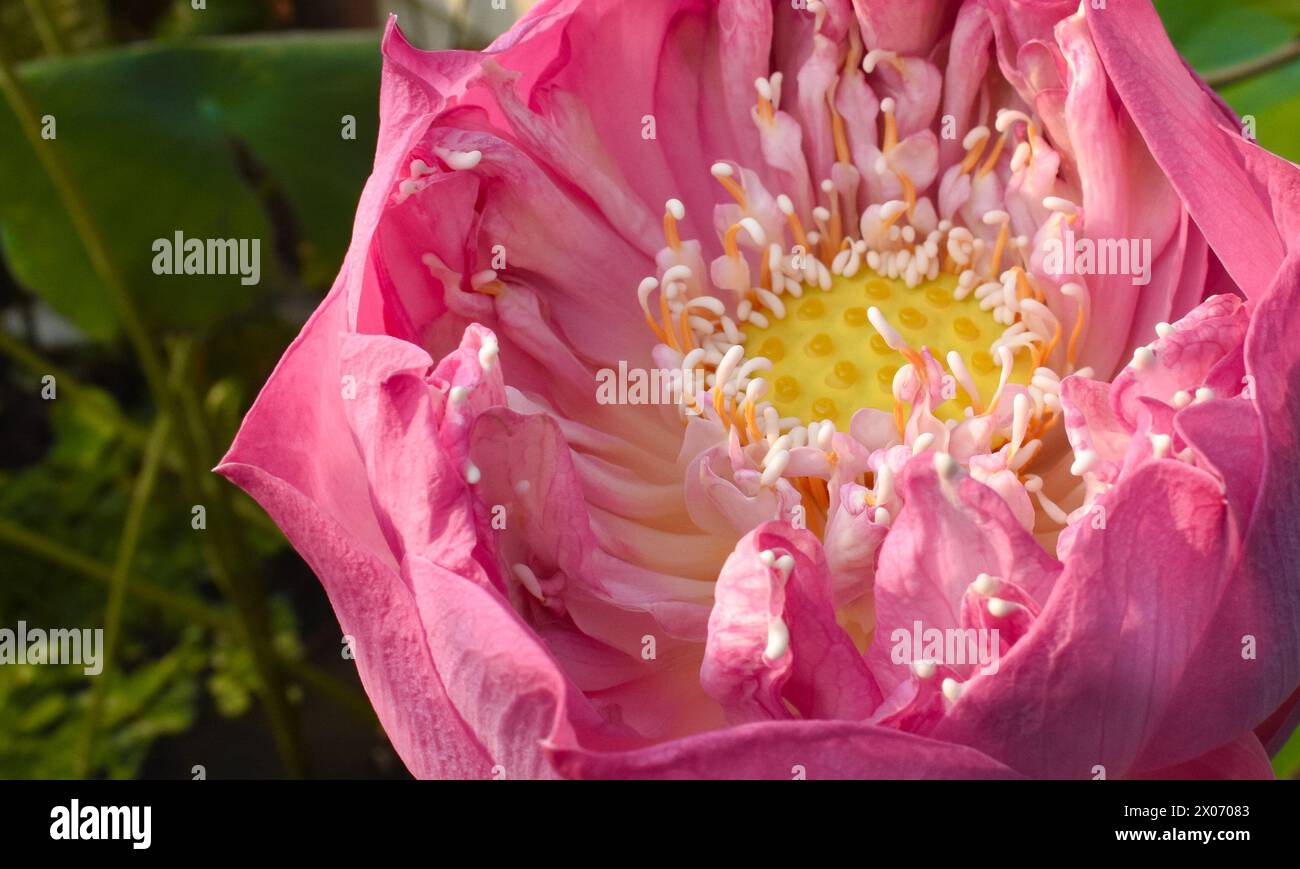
909,27
1243,758
773,635
378,611
786,750
1226,435
1117,670
506,688
935,549
1240,196
394,418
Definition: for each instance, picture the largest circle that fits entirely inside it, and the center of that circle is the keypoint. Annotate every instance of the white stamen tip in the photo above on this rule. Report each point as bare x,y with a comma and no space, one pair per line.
472,474
951,689
728,365
1164,330
778,639
1007,117
755,230
775,468
923,669
487,354
1161,444
1084,461
722,170
1000,608
892,209
459,395
985,584
676,209
945,465
1056,203
974,137
875,56
528,580
995,216
677,274
459,160
923,442
884,484
887,332
1143,358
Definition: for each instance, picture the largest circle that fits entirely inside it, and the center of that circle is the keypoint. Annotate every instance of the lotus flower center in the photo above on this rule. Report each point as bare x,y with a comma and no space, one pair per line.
828,360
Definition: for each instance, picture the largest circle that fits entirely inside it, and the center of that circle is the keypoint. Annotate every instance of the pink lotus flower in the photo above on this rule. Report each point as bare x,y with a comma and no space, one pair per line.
949,490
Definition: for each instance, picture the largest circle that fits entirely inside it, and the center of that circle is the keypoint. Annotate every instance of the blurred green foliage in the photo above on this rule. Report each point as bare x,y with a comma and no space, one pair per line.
220,136
66,25
195,131
1216,37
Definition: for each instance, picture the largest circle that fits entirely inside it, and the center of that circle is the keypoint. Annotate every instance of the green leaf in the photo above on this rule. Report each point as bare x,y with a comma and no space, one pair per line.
77,25
226,16
1286,763
1210,34
1273,100
42,708
1283,10
222,138
1214,37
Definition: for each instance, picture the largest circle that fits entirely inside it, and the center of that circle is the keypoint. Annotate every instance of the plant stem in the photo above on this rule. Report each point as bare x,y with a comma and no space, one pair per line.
187,608
252,625
69,386
118,584
240,580
45,27
133,435
1255,66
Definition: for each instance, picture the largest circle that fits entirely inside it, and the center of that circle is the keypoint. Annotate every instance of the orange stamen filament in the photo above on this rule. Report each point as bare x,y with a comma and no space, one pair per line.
1073,346
993,156
670,232
729,241
838,133
973,155
998,248
670,335
736,191
796,228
